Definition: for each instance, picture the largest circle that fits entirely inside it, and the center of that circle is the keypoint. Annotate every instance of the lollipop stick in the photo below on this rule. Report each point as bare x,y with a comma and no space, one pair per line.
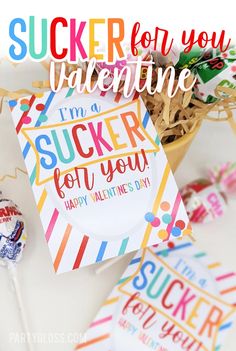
191,237
108,264
15,281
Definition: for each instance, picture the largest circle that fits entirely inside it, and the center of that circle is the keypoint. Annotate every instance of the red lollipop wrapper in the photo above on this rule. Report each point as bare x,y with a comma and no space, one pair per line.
206,199
12,232
12,243
203,201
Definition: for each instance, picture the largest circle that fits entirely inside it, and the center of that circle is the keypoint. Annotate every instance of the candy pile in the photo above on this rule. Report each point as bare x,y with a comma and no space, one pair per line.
214,90
215,70
212,68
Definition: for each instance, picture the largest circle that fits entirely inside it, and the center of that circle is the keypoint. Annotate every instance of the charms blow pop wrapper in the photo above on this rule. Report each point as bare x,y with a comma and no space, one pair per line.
203,201
12,232
206,199
12,243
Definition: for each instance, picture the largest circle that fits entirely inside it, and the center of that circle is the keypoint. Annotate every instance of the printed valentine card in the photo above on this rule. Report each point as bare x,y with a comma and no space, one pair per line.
100,177
176,299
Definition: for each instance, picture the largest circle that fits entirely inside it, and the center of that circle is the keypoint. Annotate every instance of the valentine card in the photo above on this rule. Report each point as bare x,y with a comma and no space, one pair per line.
176,299
100,177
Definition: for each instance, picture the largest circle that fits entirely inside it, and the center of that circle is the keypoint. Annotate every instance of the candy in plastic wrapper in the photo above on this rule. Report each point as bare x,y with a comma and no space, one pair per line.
172,57
131,62
12,243
178,58
225,176
203,200
188,60
215,69
206,199
12,232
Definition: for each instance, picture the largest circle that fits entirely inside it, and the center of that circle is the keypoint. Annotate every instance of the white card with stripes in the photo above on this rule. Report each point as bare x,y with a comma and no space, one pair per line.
100,177
177,299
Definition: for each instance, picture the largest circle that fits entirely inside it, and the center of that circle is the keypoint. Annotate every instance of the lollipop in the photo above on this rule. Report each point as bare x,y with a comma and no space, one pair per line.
214,71
203,201
12,243
130,61
12,232
206,199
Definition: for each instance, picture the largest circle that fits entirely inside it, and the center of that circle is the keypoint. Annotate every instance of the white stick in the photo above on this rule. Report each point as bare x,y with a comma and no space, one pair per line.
23,315
191,237
108,264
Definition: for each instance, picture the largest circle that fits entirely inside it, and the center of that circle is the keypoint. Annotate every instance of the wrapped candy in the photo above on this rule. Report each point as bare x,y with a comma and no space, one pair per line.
12,232
129,61
206,199
203,201
215,69
12,243
188,60
212,68
225,176
178,58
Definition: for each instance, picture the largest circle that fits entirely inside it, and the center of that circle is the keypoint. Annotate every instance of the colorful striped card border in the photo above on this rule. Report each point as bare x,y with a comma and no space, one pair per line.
220,285
70,248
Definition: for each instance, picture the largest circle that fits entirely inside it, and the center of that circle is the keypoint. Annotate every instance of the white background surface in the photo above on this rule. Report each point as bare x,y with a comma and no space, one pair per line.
67,303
